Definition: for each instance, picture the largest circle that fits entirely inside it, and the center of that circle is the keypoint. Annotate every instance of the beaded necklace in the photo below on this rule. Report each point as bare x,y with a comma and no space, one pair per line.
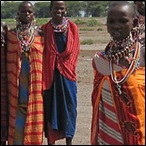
61,27
25,35
119,49
132,67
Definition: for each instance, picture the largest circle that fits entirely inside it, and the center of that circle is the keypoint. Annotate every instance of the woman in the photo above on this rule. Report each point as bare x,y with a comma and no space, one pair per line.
140,25
4,96
118,96
60,96
24,67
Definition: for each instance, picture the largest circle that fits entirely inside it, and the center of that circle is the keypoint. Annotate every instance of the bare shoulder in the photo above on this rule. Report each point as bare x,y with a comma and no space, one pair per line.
38,31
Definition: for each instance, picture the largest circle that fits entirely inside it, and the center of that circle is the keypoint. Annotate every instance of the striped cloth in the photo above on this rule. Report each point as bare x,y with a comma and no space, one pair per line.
33,131
60,102
60,61
108,120
4,96
66,62
114,122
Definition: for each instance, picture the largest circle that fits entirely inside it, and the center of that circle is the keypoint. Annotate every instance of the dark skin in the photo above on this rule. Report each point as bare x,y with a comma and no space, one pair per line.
26,14
140,7
119,24
58,11
120,20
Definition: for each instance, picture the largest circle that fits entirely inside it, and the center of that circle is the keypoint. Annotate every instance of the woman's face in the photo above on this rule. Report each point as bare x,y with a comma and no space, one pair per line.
119,22
58,10
26,13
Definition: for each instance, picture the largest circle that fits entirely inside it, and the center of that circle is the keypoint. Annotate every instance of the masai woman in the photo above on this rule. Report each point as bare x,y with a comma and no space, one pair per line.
24,67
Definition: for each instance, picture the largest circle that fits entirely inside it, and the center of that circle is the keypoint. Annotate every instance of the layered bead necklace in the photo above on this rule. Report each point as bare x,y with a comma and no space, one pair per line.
25,35
119,49
61,27
125,49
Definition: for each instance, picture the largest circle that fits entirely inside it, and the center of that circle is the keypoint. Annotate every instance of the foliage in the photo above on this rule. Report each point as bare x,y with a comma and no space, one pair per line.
96,8
79,22
9,9
41,21
88,22
93,22
74,9
42,10
87,42
84,29
11,22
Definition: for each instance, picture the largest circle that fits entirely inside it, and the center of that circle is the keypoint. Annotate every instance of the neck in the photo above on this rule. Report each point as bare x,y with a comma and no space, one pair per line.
125,42
61,26
23,26
119,49
57,21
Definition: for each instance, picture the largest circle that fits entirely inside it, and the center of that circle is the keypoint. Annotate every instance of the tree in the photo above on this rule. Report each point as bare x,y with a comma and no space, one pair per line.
96,8
75,9
42,9
9,9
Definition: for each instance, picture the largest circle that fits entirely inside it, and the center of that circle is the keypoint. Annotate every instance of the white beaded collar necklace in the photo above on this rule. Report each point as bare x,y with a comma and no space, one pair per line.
61,27
25,35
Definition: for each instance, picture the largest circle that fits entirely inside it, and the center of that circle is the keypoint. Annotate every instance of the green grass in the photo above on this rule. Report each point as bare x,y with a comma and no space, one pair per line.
11,22
88,22
87,42
86,26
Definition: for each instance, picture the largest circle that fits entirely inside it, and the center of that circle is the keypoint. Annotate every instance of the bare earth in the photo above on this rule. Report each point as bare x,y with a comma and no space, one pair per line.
85,84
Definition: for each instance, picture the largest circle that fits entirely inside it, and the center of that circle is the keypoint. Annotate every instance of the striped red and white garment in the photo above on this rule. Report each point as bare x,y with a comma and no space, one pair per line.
109,130
114,122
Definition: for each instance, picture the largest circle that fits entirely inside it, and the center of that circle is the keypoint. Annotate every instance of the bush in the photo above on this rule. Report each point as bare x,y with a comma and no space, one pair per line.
79,22
87,42
93,22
